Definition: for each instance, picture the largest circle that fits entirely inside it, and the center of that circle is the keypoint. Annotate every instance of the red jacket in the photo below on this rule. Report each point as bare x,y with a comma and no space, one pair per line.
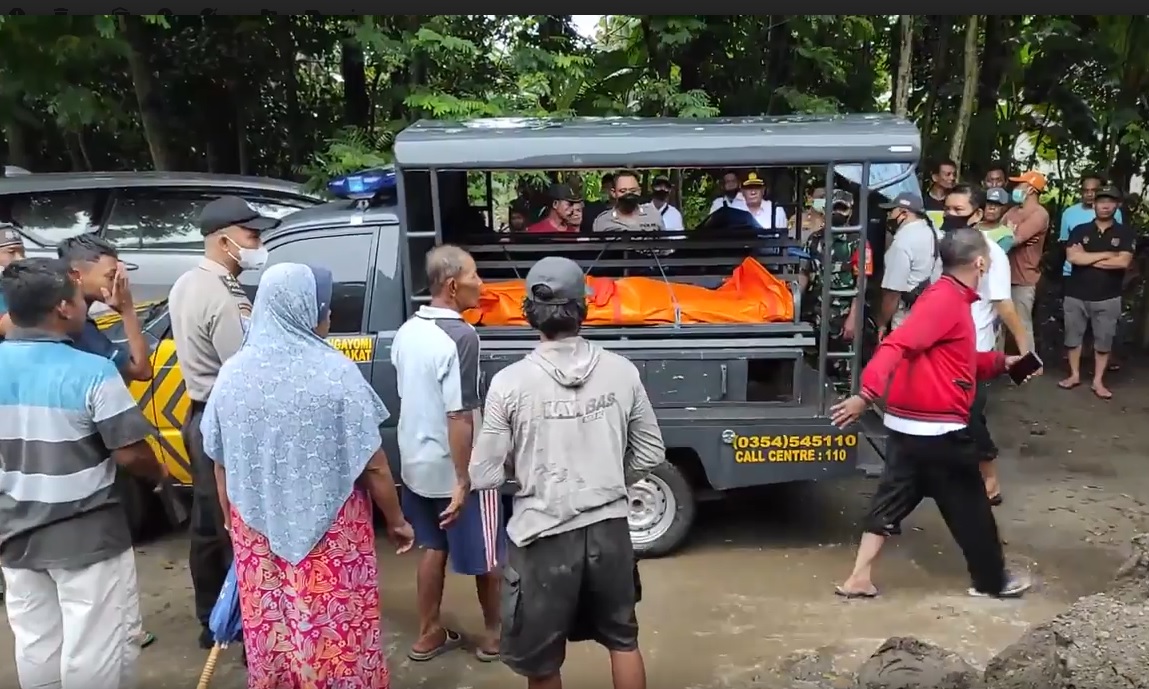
927,369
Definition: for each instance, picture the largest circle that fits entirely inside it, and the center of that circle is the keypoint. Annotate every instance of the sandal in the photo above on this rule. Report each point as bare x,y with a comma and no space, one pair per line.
1106,396
487,656
852,595
147,639
452,640
1062,384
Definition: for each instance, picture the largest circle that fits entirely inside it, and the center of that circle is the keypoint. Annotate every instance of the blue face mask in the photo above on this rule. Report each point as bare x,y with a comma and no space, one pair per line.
818,205
1018,195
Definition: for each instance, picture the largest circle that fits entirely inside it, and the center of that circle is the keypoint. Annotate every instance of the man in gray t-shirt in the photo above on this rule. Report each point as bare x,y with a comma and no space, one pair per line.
629,214
911,261
577,428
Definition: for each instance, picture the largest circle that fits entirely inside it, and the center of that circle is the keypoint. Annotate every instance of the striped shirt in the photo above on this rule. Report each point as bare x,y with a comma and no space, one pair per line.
61,411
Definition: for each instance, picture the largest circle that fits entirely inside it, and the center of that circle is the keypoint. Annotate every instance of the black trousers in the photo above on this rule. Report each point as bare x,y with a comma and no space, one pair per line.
944,468
211,554
979,426
581,585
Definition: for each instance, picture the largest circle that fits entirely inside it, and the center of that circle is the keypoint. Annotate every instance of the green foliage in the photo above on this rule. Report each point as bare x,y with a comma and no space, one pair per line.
312,96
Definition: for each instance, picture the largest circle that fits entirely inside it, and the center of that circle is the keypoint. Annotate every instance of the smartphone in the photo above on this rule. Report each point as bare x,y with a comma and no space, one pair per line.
1024,367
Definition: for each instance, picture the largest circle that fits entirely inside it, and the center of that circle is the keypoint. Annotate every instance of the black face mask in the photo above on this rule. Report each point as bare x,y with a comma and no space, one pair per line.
956,222
628,203
661,194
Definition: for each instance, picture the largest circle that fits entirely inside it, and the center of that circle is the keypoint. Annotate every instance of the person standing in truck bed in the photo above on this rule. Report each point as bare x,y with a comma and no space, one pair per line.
629,213
209,314
843,273
578,428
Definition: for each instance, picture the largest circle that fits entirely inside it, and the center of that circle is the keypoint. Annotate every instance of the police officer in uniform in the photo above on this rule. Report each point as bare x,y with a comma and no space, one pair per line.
843,275
629,213
209,315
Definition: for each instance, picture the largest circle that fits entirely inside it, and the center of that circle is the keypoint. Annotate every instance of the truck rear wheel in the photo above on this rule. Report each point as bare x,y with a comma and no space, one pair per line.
661,511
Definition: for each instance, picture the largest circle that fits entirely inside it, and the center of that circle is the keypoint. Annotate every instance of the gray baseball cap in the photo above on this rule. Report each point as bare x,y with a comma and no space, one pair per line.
997,195
556,280
907,200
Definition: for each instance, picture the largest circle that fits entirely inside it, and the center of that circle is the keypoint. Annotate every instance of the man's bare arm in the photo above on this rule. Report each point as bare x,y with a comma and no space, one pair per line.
221,494
1008,314
140,460
890,301
139,366
1078,256
377,480
1119,261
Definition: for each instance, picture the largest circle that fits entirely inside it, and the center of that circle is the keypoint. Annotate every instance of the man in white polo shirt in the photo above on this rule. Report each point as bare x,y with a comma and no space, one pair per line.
436,359
964,207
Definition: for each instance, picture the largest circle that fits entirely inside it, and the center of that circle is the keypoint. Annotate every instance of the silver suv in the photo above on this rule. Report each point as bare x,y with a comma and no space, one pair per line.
149,216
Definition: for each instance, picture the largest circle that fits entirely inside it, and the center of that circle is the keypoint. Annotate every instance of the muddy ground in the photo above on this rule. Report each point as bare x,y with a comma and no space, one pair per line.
755,583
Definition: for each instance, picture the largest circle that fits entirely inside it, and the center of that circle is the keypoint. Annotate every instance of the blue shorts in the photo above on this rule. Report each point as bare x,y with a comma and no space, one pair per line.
476,543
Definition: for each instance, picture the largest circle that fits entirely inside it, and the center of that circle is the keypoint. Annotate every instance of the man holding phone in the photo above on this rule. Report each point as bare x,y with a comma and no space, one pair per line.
965,207
926,373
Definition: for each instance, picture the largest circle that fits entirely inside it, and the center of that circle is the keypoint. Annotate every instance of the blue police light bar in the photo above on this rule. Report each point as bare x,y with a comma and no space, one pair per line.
365,184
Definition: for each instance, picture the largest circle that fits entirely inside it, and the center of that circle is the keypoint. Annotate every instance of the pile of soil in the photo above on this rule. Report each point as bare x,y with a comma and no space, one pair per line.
1100,642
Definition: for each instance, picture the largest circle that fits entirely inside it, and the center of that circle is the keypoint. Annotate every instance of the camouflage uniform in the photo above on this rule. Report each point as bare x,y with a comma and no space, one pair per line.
844,276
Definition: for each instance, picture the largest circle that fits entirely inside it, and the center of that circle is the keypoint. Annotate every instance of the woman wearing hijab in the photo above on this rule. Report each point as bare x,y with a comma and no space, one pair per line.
294,430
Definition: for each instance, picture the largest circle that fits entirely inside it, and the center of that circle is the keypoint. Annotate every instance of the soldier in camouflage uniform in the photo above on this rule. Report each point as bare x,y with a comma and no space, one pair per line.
843,274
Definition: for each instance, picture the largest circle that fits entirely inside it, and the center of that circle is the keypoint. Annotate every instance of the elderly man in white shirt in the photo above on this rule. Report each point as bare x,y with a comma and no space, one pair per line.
764,212
660,201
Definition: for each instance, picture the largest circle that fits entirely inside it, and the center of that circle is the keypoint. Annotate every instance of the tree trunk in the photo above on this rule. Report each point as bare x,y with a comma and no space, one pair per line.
286,54
148,94
353,69
938,74
904,79
19,148
969,90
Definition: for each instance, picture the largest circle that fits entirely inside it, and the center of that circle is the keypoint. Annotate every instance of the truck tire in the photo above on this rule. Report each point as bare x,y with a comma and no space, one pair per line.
662,511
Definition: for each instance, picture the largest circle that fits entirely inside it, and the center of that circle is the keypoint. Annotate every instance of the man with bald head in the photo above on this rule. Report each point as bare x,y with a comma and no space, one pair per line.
926,374
436,359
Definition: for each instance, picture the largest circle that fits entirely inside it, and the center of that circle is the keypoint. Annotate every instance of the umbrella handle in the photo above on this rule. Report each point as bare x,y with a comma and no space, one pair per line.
209,667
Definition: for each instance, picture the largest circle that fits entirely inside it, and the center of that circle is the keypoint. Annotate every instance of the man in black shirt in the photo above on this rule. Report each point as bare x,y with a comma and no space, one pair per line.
943,178
1099,252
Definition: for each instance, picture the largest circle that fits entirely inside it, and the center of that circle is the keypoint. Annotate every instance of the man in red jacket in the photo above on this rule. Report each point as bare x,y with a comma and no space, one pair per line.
925,374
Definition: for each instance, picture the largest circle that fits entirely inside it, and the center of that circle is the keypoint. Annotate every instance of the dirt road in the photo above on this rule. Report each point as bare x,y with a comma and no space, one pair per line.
755,584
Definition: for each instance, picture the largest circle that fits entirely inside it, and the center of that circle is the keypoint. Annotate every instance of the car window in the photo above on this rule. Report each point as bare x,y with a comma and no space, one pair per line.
160,219
348,257
49,217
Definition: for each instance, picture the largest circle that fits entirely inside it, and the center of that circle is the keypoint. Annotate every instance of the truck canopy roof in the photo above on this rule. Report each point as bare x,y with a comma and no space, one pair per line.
514,143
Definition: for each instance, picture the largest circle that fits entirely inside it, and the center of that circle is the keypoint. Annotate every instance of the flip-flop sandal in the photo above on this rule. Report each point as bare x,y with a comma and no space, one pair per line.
454,640
996,500
1099,396
853,595
1061,384
487,656
147,639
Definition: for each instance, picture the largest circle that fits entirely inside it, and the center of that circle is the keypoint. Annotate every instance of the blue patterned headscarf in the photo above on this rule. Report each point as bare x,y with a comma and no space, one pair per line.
291,419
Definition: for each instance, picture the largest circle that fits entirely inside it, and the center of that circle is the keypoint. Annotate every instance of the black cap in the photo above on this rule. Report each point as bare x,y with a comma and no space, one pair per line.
841,197
907,200
660,180
556,280
563,192
997,195
1108,191
9,236
229,211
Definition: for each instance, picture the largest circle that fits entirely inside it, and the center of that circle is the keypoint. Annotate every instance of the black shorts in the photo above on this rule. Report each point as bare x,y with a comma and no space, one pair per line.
581,585
979,426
